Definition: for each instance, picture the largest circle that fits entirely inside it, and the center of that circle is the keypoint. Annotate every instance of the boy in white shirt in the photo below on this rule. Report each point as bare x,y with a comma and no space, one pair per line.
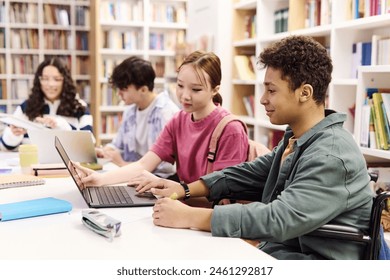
145,117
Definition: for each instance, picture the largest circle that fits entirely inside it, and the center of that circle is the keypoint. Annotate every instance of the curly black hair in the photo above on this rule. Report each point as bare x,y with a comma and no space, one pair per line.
69,105
301,60
133,71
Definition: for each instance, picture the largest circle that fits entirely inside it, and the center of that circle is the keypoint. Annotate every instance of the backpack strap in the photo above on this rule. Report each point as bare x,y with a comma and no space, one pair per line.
215,137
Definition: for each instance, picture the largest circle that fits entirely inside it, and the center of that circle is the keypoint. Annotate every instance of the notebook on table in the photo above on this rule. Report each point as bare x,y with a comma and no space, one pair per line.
19,180
78,143
105,196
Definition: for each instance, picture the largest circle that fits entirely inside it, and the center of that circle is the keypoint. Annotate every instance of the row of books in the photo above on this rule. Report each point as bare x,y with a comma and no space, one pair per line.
20,89
316,12
161,66
166,40
2,64
249,103
24,64
63,40
375,124
367,8
121,10
56,14
374,52
168,12
250,26
82,16
3,90
361,55
22,13
110,123
125,40
245,67
24,39
380,50
84,90
53,14
27,64
57,39
281,20
109,96
82,65
2,38
108,66
82,41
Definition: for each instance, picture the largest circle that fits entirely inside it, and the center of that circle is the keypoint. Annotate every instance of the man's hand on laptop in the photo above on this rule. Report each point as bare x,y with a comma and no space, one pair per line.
112,154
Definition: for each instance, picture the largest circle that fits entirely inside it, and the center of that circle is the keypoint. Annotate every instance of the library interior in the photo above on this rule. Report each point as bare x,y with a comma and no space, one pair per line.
93,38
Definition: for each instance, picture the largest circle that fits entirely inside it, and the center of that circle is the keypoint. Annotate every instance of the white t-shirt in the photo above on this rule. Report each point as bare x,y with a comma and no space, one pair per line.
141,134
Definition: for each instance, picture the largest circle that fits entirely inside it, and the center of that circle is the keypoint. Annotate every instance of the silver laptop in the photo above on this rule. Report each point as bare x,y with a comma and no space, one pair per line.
78,143
105,196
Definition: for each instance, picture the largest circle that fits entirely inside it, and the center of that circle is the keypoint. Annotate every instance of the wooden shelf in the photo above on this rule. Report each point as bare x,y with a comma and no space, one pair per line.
144,27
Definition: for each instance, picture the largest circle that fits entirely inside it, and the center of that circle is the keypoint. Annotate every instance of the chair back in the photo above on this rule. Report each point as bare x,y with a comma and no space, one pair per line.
378,205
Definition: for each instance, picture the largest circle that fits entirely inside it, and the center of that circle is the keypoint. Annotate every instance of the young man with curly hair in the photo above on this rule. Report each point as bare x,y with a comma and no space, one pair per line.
315,175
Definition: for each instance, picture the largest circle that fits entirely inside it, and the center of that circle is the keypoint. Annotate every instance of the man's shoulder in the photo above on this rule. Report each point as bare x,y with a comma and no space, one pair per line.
165,101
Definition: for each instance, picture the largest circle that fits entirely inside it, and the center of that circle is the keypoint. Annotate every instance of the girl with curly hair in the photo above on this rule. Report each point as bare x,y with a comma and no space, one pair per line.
53,102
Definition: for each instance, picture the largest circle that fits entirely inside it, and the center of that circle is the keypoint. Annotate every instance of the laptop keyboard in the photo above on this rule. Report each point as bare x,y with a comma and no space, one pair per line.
113,195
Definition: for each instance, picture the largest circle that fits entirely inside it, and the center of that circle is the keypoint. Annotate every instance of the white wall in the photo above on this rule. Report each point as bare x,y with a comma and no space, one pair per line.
214,17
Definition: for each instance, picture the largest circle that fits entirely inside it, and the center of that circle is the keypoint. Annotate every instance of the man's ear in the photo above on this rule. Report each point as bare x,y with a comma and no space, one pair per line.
144,89
306,93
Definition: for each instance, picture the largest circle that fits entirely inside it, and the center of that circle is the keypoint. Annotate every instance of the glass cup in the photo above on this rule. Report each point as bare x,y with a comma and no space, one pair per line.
28,155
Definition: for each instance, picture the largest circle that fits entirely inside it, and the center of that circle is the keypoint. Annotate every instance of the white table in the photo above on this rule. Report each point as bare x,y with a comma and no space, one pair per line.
63,236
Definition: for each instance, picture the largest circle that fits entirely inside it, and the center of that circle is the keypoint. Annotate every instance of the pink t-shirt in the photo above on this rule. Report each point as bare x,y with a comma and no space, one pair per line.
186,142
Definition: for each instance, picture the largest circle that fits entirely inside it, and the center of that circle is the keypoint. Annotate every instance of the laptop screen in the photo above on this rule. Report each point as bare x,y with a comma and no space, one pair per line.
68,163
78,144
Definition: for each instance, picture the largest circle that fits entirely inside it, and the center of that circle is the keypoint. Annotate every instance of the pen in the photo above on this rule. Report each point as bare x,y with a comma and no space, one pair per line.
173,196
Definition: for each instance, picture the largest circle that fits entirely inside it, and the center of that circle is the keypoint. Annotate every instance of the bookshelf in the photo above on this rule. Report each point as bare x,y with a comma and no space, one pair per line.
151,29
31,30
335,26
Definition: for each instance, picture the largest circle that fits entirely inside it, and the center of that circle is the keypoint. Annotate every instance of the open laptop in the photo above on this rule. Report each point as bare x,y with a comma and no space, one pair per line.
78,143
105,196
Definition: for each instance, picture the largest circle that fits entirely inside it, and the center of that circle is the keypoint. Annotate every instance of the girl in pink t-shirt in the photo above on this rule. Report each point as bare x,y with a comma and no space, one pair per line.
185,139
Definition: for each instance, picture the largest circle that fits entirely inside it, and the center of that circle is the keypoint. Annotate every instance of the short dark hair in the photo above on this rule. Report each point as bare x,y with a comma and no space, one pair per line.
133,71
302,60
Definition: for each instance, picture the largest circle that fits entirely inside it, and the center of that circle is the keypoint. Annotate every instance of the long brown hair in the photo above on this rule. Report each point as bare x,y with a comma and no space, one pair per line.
69,106
210,63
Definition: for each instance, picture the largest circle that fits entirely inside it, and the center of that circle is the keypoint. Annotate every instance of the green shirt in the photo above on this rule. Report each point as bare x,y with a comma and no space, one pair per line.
323,180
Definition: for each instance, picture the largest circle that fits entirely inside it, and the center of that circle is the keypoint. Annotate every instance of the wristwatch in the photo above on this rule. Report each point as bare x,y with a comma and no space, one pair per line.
186,190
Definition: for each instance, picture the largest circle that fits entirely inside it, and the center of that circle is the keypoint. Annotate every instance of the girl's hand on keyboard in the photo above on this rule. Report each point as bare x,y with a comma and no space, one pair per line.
141,181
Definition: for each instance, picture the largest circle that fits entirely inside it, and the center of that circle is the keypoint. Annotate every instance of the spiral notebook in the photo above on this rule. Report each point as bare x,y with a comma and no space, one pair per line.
19,180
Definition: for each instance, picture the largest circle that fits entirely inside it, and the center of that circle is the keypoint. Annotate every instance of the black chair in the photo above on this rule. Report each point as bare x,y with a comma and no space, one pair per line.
372,238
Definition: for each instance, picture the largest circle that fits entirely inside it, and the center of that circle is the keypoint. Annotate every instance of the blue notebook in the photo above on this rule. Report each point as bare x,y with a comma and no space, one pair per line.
33,208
